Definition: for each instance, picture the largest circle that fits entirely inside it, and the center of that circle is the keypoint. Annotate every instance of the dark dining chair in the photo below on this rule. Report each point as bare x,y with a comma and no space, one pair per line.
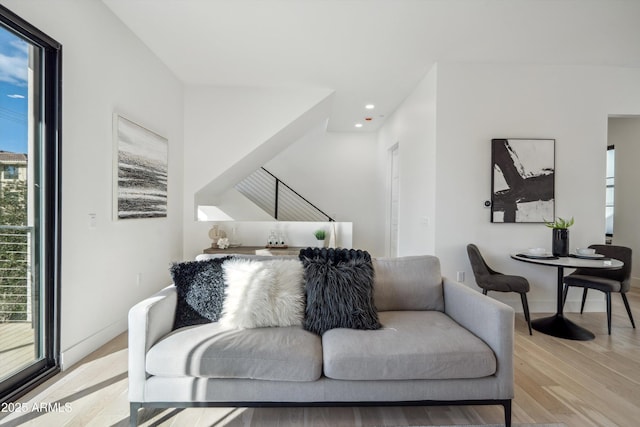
491,280
606,281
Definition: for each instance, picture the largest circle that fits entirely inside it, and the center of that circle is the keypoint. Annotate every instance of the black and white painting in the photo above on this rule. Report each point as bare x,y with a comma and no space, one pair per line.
522,181
140,189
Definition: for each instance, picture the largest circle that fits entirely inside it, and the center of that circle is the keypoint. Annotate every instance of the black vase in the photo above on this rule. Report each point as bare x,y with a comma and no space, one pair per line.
560,242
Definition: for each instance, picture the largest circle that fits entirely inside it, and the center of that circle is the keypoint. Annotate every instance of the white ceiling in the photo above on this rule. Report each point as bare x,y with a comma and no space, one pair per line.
373,51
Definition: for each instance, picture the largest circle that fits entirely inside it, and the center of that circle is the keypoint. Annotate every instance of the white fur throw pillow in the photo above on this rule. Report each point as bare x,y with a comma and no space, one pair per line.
262,293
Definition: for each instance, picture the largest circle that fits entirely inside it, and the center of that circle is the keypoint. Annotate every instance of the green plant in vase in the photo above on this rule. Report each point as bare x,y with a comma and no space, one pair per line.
559,223
560,236
320,236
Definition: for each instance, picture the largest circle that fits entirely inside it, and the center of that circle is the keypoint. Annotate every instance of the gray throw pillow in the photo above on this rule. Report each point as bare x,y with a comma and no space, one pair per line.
200,286
339,291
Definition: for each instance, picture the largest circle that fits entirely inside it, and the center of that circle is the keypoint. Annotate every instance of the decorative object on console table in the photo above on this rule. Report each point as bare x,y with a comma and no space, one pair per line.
223,243
332,235
320,236
276,241
522,180
233,239
272,239
560,237
215,234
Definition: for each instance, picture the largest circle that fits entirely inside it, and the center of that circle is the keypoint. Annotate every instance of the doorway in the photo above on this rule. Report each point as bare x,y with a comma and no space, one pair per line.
623,134
610,193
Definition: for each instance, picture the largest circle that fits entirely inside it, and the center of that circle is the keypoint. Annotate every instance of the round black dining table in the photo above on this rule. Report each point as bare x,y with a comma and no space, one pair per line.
558,325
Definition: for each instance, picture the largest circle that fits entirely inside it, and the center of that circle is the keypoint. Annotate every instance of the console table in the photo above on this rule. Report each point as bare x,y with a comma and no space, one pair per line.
255,250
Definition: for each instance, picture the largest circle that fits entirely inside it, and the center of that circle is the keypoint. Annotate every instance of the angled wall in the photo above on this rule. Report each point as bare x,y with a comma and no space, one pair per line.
230,132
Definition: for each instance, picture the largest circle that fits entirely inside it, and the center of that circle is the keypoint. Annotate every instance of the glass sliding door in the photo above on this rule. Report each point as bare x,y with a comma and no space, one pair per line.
29,205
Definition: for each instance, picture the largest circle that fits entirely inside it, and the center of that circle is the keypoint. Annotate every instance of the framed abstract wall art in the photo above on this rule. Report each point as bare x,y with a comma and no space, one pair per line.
140,171
522,180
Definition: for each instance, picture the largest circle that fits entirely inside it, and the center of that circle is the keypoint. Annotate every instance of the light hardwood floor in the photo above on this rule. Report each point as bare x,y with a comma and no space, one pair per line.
582,384
17,348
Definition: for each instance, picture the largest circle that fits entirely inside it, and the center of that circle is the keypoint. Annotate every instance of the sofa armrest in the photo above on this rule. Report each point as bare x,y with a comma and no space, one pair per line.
490,320
149,320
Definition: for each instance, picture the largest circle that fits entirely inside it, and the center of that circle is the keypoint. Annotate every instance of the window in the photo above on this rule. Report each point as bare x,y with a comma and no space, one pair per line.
10,172
30,64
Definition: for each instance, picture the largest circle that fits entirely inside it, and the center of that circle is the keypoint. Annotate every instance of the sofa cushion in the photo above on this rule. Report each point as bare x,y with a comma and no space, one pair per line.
211,351
408,283
262,293
412,345
339,290
200,287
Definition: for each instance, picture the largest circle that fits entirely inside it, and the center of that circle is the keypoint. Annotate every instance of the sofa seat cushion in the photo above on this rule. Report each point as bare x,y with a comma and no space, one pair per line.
412,345
211,351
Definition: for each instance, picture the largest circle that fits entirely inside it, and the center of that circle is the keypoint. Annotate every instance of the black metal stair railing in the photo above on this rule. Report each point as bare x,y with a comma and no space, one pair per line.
278,199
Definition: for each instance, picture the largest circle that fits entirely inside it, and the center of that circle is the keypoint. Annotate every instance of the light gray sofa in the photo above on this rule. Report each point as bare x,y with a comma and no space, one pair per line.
441,344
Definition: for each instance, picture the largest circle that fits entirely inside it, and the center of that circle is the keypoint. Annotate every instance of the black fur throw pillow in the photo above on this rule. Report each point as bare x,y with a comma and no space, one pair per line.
333,255
339,291
200,286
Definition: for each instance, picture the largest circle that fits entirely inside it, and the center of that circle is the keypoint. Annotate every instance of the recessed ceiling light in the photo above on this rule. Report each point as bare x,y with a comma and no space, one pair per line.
358,125
369,106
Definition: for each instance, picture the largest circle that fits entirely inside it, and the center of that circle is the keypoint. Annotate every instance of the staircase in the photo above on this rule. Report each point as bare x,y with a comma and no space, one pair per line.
278,199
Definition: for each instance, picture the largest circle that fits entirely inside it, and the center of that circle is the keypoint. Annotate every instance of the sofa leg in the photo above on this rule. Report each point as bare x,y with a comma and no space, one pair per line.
133,413
507,413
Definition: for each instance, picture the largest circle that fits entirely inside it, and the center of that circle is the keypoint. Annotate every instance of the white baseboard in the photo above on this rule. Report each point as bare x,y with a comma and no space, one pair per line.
80,350
589,306
548,306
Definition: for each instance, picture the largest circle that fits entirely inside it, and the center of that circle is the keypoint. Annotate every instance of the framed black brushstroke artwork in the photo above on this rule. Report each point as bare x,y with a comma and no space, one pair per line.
140,171
522,180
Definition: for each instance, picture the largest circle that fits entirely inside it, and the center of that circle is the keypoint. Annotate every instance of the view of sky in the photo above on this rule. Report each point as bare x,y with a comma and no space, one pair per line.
13,92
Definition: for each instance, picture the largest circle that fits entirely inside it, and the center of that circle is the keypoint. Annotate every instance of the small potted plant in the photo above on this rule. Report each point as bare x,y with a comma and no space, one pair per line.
560,237
320,236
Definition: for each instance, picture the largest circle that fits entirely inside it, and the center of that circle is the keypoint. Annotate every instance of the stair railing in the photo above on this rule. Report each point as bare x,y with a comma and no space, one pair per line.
278,199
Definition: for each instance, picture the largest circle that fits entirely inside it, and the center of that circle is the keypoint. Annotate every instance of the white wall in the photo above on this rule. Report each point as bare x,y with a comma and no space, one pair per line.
337,173
478,102
413,128
624,133
105,70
